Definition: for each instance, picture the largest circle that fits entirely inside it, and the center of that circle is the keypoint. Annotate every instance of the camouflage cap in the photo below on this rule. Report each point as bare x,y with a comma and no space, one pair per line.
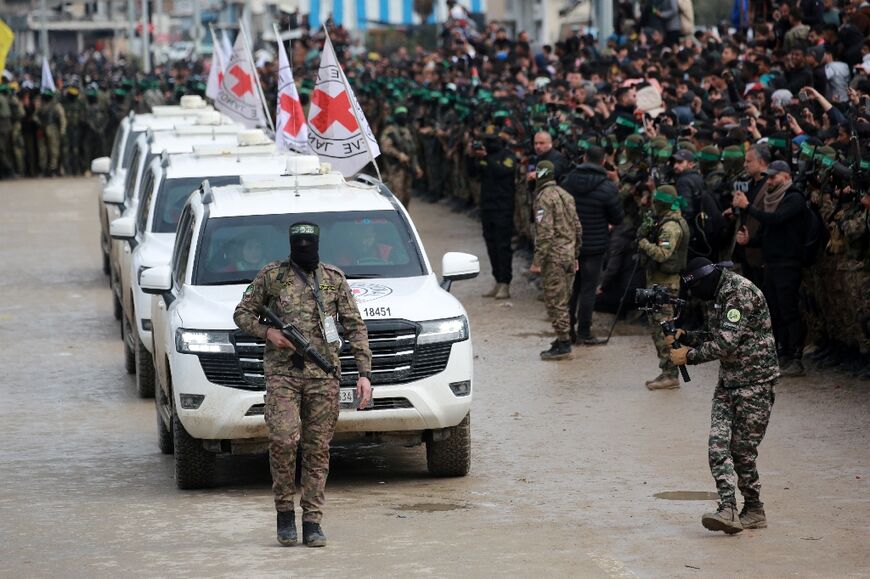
686,146
634,142
545,171
304,228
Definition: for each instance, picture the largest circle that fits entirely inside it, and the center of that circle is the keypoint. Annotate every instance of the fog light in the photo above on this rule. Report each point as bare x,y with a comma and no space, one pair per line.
146,325
191,401
461,388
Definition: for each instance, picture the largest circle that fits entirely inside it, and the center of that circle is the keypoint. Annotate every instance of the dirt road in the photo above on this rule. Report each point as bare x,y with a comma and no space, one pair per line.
568,457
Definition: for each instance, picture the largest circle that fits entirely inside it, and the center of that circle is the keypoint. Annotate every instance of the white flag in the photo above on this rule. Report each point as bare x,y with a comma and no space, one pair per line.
340,133
291,132
215,73
238,96
47,79
227,46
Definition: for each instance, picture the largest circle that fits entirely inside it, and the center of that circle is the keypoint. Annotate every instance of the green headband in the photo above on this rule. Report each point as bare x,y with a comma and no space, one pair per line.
624,122
304,229
675,201
633,145
704,156
778,143
732,154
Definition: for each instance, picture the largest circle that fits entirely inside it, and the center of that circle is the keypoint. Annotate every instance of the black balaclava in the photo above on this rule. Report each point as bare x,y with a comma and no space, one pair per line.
305,245
702,278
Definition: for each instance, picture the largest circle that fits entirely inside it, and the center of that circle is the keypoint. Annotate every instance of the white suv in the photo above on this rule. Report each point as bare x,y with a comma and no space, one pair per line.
113,169
148,146
210,385
166,185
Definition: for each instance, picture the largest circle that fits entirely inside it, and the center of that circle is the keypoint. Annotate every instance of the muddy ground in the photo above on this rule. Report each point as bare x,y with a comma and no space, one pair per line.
571,460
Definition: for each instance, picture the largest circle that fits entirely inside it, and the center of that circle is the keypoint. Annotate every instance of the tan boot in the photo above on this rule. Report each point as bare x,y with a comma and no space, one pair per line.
753,517
656,379
491,293
725,519
664,383
503,292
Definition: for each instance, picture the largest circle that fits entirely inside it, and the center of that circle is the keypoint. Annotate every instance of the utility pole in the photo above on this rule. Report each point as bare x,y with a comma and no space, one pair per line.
131,26
158,29
146,40
43,33
604,17
197,30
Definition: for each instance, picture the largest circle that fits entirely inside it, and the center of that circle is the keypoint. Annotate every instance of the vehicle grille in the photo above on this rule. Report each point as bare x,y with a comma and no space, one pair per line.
396,359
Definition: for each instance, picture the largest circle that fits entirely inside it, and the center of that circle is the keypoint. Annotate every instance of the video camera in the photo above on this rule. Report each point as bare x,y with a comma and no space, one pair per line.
652,300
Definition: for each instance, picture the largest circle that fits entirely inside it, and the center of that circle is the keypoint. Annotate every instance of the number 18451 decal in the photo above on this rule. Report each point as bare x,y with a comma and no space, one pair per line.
377,312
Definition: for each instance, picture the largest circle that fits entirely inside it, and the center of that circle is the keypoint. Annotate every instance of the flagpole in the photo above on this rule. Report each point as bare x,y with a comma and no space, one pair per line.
256,76
353,108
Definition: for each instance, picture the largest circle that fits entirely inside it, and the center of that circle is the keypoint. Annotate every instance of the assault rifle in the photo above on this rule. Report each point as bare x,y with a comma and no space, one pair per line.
301,345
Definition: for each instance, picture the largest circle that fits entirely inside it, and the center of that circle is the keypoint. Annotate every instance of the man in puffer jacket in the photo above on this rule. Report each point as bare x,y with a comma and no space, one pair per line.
599,208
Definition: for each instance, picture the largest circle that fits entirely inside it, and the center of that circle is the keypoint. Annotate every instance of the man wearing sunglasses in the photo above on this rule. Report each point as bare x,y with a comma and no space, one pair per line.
738,333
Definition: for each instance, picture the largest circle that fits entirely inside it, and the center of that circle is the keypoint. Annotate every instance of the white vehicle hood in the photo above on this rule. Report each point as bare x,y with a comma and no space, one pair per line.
414,298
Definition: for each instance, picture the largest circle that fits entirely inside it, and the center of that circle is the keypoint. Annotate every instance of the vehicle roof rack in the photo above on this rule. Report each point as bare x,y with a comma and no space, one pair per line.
205,191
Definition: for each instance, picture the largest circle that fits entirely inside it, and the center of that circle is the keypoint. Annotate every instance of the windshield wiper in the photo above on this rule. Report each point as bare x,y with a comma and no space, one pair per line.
363,275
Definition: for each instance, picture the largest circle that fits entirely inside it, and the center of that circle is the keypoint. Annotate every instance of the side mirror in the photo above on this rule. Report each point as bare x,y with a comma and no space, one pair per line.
123,228
457,266
156,280
101,165
114,192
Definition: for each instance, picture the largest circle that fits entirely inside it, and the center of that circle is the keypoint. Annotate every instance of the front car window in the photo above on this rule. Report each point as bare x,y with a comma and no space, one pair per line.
371,244
173,195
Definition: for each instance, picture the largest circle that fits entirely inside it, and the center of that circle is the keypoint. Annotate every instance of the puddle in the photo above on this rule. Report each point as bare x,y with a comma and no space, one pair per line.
430,507
687,496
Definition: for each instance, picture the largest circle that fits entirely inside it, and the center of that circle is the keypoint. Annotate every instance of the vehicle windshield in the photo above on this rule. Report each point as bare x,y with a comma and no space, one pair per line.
371,244
173,195
120,138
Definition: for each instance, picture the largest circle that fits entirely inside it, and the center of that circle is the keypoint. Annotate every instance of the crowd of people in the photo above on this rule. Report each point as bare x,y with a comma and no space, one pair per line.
759,134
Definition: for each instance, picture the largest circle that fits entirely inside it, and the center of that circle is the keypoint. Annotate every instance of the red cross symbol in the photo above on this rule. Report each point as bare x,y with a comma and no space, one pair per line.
243,84
332,110
292,107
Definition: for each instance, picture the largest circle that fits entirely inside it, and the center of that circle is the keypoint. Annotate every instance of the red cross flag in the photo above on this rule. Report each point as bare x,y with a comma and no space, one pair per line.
340,133
238,97
216,72
291,132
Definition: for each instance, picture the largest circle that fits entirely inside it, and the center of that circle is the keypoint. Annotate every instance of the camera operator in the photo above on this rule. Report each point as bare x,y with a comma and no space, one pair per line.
497,167
737,333
665,243
781,238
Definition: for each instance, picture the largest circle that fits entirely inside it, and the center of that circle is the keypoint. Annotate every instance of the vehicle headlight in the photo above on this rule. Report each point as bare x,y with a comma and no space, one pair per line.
203,342
440,331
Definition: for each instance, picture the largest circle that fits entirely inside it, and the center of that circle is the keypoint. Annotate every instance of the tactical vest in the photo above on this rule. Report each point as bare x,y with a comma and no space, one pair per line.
678,259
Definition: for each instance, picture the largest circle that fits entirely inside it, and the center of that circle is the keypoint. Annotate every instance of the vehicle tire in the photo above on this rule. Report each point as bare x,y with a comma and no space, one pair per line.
144,369
117,308
194,465
129,351
164,435
451,456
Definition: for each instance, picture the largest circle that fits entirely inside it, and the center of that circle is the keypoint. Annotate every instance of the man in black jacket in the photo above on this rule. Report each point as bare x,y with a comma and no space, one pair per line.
701,212
781,238
599,208
496,166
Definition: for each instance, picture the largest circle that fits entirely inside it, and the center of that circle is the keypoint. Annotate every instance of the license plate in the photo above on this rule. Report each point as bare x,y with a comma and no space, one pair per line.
347,399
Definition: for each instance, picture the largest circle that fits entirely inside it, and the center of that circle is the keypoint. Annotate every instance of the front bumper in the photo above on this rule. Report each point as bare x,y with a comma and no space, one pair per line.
228,413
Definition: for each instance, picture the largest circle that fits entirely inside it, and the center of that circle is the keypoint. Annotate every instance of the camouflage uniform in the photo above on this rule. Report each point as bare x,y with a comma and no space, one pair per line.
400,151
7,164
302,401
52,119
95,128
557,245
74,110
666,253
739,334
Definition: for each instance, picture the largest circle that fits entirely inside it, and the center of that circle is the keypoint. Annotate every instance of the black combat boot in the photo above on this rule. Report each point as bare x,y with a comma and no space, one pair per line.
287,528
312,534
559,350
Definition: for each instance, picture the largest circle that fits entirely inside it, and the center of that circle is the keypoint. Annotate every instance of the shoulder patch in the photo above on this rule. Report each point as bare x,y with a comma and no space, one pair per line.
733,315
509,162
249,290
539,216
